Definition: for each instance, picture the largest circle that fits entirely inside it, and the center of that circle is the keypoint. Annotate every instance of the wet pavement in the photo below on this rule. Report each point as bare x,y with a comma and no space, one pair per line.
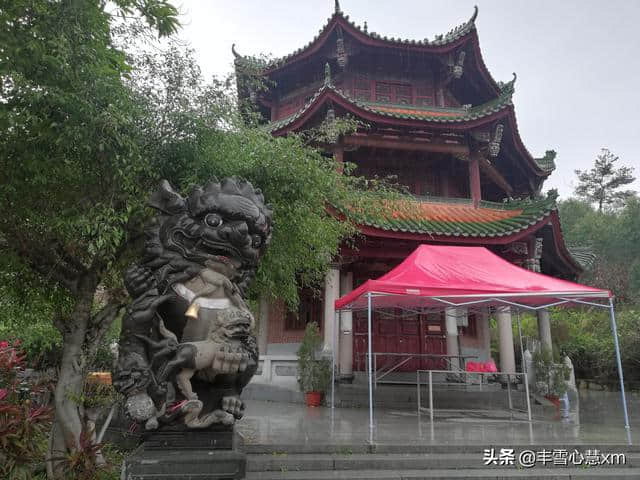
270,423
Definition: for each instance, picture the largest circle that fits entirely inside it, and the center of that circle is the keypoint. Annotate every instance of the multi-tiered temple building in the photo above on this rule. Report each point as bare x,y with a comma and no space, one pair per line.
438,121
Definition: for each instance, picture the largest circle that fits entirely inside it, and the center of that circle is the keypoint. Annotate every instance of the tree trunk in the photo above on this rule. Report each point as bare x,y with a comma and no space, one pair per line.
68,425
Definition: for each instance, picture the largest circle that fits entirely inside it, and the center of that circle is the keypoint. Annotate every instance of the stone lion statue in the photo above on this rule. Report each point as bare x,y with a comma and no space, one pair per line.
187,346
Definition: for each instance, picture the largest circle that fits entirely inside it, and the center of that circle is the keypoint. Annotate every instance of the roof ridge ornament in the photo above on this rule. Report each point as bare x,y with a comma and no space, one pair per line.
337,9
508,87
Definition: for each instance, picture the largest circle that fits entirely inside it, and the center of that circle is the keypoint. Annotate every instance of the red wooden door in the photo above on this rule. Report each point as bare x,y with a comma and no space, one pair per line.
418,334
433,341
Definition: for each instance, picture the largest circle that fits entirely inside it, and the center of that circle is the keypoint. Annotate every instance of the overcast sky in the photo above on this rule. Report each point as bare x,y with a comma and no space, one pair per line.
577,61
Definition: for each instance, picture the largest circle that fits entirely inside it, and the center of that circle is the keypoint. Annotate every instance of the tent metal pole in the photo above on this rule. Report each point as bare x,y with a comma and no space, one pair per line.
526,391
614,328
369,366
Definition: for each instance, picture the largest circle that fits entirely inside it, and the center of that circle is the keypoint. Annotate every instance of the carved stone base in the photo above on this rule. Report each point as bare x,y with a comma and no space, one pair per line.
187,455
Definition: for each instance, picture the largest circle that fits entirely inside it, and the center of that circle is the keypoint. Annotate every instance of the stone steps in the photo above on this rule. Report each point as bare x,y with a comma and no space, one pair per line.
439,474
399,462
348,461
402,448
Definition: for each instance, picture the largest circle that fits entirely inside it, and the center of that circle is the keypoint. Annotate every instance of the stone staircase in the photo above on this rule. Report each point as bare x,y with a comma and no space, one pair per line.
399,462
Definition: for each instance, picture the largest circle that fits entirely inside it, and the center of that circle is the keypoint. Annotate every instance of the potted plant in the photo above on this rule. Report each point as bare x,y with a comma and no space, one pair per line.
314,375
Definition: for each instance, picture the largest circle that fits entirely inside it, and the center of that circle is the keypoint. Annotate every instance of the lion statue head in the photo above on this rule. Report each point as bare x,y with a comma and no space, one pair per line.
224,225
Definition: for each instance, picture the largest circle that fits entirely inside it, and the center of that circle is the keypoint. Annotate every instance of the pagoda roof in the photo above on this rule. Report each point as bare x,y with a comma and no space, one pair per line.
443,43
583,255
457,220
452,217
408,115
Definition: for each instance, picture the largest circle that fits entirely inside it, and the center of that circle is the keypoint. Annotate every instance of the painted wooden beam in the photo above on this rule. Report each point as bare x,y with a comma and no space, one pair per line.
406,144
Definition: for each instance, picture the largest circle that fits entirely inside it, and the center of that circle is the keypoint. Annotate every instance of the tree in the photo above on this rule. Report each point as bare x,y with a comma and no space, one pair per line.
614,238
73,177
90,130
601,184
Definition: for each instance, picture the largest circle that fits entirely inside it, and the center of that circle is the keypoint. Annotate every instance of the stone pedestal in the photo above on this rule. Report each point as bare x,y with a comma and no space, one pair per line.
206,455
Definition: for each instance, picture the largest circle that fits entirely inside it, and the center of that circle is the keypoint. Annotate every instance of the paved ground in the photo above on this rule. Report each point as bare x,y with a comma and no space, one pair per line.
270,423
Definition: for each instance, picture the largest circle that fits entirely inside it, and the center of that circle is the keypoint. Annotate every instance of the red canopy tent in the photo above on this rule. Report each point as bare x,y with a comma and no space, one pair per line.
459,275
449,276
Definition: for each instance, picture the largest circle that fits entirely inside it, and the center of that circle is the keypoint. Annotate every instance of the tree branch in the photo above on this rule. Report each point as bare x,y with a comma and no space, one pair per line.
99,325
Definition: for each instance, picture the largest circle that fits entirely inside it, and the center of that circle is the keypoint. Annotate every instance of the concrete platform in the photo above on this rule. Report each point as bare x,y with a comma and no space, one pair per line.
296,426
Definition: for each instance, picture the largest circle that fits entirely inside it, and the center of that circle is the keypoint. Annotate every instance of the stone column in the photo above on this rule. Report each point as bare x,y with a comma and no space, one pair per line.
263,325
451,328
331,291
544,329
346,332
483,319
505,332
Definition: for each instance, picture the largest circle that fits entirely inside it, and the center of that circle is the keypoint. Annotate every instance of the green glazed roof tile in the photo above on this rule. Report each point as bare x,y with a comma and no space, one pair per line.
447,217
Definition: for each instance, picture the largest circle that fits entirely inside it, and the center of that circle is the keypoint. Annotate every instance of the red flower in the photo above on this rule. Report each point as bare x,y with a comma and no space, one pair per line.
16,342
4,344
3,393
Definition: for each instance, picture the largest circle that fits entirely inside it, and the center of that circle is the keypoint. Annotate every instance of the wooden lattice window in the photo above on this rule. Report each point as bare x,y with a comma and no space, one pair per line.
398,93
383,93
362,88
403,94
424,95
309,310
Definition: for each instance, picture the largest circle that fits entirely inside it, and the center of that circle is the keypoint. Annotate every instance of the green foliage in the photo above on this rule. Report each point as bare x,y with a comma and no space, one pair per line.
331,129
601,185
313,375
195,131
551,376
614,237
74,173
27,307
588,341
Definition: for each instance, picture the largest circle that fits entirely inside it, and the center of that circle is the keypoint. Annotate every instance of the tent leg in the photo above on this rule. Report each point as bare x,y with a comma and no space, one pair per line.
614,328
369,368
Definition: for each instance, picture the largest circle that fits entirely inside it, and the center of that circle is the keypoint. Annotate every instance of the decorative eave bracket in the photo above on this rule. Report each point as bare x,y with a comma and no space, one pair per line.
494,144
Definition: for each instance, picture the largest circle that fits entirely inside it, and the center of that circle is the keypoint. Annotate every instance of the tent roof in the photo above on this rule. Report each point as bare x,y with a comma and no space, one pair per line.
434,275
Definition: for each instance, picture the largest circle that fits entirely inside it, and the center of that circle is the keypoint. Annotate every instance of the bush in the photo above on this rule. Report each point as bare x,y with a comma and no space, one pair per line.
589,341
313,375
24,421
551,376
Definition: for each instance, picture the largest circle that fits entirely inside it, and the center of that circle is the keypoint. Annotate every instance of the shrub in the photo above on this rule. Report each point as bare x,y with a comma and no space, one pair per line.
24,421
551,377
313,375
